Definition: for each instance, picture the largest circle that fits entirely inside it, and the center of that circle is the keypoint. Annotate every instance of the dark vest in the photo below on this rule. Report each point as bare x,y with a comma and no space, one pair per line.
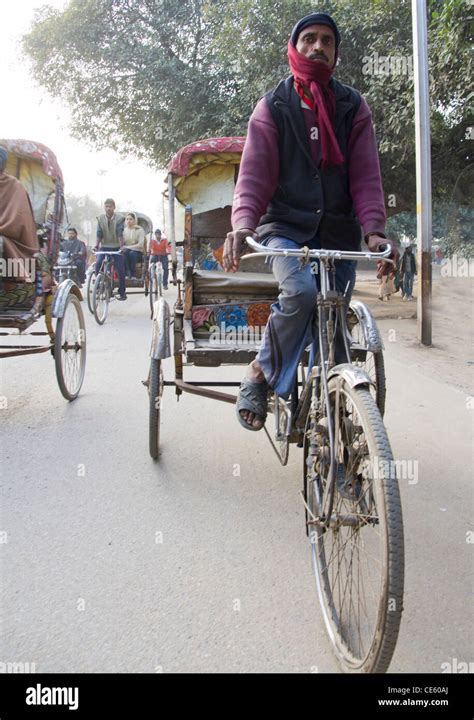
308,199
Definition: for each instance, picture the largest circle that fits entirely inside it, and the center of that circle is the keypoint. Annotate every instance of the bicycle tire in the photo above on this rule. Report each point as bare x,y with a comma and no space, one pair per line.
89,290
340,550
100,299
70,348
154,288
373,364
155,391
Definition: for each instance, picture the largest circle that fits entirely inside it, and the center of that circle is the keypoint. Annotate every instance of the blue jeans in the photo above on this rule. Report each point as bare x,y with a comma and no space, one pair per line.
118,264
408,284
131,257
163,259
292,325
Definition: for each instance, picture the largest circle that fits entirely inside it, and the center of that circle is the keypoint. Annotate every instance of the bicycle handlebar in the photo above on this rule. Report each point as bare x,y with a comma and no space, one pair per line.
322,254
106,252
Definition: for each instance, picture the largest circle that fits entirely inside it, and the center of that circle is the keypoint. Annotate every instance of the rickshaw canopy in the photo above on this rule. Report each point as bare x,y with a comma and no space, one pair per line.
204,172
37,168
143,220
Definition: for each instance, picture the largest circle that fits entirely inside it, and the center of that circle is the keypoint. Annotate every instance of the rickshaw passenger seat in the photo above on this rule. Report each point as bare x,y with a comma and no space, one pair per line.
209,286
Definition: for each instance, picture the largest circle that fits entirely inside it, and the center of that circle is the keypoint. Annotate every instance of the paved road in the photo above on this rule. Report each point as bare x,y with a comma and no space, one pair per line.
199,562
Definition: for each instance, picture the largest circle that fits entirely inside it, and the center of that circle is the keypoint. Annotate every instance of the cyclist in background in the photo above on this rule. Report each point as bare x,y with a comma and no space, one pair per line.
159,249
110,237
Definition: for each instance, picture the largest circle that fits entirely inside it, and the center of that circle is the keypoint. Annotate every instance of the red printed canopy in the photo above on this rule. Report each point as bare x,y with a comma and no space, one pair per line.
212,149
35,151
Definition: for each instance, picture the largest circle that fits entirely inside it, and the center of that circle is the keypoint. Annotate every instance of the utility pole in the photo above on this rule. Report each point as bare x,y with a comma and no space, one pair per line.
423,168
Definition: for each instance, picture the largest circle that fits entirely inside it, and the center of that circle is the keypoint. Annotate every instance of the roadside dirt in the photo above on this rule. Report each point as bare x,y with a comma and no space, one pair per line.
451,356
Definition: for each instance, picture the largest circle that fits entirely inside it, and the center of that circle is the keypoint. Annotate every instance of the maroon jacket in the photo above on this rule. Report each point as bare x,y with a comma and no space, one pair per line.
259,176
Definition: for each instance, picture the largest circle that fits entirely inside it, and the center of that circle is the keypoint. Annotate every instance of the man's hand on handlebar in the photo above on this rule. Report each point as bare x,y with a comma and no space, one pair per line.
233,248
376,243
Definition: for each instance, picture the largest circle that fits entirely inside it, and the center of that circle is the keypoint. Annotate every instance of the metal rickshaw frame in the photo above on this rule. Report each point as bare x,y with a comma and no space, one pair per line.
32,159
186,180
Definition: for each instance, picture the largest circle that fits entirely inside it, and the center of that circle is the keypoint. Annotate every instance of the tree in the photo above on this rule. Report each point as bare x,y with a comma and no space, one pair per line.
148,76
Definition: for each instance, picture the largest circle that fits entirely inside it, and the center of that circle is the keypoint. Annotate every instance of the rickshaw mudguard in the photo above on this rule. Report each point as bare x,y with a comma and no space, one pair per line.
373,340
351,374
61,295
160,338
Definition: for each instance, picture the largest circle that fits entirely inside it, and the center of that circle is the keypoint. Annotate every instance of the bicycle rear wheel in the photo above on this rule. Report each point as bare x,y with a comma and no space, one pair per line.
357,539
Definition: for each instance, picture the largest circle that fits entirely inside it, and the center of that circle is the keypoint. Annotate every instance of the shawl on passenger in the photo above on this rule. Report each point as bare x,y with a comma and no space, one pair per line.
17,223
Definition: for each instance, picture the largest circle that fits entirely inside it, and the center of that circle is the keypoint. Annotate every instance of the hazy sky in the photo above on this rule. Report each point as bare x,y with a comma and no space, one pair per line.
28,112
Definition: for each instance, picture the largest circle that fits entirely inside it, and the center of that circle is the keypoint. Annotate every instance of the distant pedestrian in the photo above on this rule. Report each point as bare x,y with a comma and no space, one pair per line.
408,271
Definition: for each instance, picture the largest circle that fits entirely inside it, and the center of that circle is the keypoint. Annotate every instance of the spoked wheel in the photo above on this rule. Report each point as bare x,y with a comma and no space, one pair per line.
155,392
356,532
100,298
70,348
90,282
371,362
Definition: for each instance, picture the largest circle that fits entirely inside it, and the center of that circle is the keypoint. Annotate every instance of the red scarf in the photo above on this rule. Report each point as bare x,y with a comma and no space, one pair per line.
315,75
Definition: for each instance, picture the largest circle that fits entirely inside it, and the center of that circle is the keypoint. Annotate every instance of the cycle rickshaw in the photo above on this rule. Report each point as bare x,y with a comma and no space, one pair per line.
99,291
334,413
36,167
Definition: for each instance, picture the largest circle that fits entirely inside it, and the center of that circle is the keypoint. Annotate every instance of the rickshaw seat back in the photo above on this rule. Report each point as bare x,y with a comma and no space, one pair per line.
210,286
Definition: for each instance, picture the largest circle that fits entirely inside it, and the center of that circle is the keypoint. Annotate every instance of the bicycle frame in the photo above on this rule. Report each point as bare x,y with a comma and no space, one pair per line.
107,266
332,309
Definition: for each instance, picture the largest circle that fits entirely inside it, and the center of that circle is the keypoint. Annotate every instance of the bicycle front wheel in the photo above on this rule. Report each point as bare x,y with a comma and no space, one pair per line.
90,289
371,362
155,390
100,298
354,521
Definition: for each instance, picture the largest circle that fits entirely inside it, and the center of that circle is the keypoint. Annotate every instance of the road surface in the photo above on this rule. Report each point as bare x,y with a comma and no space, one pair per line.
111,562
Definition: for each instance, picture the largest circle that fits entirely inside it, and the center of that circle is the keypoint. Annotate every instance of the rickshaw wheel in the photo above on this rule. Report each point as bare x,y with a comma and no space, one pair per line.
70,348
155,392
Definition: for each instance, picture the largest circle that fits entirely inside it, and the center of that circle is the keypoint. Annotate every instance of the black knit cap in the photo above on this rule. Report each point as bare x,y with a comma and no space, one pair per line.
315,19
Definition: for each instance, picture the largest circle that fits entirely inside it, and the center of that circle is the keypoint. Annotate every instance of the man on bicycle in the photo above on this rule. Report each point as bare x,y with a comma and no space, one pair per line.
309,176
159,249
110,237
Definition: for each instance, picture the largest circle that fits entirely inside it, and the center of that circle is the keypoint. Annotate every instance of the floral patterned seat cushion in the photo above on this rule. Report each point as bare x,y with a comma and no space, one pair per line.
232,316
